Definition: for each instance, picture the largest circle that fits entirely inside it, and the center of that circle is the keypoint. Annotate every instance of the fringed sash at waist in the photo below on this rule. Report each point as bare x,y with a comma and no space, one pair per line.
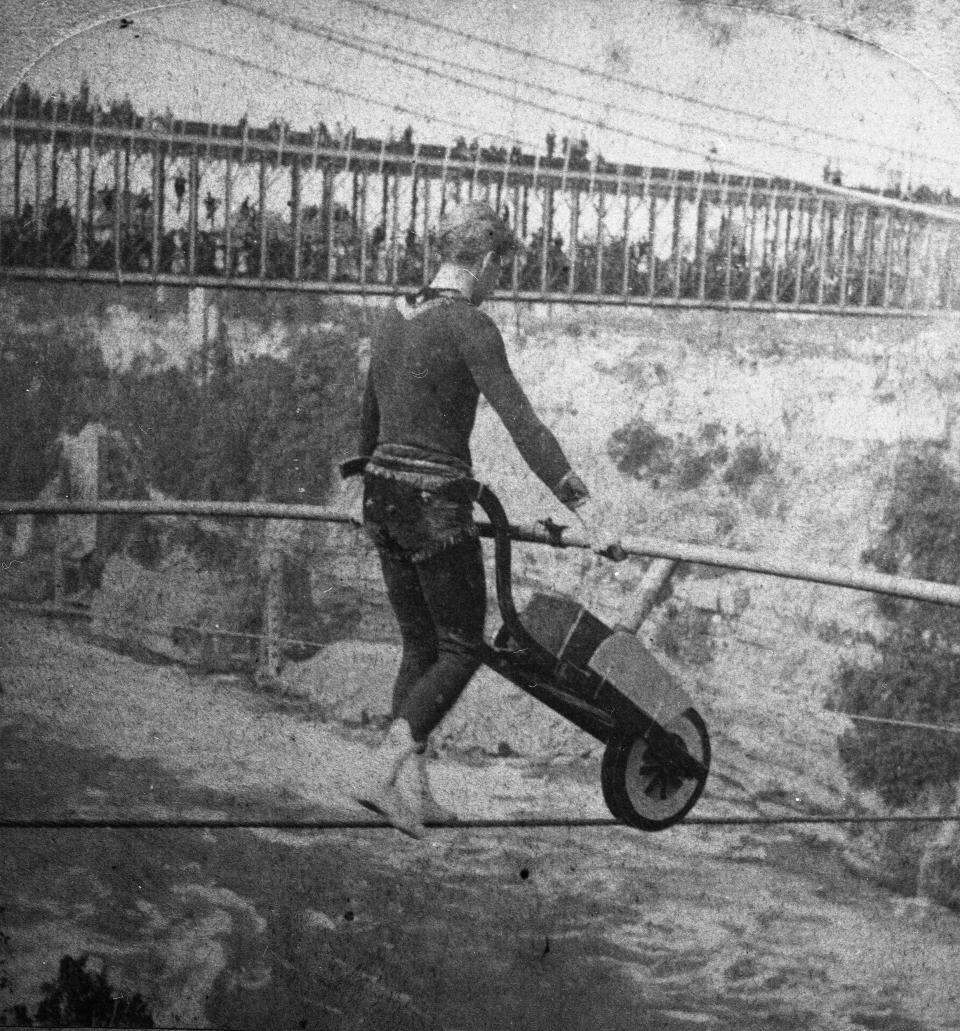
417,466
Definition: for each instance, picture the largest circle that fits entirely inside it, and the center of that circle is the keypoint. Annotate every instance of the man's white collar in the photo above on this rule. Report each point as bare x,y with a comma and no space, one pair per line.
455,277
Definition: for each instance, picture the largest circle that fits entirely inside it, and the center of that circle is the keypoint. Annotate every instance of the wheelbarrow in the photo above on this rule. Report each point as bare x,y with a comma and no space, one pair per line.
603,680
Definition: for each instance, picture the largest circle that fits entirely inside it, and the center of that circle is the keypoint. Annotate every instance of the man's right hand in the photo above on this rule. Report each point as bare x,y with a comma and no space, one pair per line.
572,491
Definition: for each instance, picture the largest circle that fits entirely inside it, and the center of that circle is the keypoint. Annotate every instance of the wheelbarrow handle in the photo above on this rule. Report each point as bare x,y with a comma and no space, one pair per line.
491,505
502,553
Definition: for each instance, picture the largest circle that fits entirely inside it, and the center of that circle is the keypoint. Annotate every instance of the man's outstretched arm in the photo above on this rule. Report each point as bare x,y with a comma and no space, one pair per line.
486,358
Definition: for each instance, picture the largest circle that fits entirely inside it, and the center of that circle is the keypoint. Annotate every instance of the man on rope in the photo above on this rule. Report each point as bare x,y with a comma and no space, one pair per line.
433,356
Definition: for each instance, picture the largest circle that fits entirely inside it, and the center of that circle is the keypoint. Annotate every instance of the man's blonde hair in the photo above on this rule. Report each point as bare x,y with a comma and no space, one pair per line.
470,230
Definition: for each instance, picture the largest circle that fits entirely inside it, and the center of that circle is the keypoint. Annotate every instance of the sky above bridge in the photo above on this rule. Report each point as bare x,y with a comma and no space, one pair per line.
649,82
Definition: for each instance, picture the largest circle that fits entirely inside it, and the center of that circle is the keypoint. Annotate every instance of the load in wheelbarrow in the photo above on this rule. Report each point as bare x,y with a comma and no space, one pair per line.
603,680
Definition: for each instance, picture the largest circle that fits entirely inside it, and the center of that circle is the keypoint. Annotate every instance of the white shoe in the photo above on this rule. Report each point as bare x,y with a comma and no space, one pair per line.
431,810
379,786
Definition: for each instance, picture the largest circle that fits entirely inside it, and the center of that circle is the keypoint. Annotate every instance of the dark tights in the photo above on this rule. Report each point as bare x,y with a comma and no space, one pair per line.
440,604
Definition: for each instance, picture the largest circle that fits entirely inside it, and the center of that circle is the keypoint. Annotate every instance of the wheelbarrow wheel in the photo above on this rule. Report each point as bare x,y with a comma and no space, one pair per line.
643,790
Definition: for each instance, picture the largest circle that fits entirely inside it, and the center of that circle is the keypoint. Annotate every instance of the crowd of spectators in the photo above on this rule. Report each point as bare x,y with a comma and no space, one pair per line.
120,232
339,254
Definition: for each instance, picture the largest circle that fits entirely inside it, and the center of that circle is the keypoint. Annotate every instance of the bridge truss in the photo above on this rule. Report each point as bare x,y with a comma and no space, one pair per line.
208,205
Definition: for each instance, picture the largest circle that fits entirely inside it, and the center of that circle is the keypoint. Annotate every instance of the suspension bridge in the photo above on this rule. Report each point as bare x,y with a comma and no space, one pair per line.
145,200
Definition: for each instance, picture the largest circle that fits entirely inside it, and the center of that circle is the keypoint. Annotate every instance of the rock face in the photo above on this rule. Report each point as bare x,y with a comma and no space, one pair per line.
939,875
772,433
205,596
67,555
938,867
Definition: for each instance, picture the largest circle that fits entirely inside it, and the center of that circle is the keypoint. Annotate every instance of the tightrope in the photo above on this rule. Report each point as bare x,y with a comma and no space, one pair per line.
496,823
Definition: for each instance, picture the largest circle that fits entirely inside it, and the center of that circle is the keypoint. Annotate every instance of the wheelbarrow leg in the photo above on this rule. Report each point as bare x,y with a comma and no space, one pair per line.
654,580
651,777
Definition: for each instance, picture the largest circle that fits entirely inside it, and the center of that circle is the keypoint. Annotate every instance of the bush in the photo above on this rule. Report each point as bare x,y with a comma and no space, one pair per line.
638,447
82,999
911,682
921,533
266,428
918,666
694,464
684,634
48,383
693,467
749,461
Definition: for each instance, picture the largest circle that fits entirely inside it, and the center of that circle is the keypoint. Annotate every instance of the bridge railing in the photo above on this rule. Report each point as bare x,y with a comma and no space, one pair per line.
212,205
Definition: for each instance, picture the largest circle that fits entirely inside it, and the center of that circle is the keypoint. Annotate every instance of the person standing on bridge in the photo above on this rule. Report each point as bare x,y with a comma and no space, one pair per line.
433,357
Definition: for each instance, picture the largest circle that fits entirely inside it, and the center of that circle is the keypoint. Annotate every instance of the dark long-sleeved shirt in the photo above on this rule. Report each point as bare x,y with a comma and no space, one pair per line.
429,364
